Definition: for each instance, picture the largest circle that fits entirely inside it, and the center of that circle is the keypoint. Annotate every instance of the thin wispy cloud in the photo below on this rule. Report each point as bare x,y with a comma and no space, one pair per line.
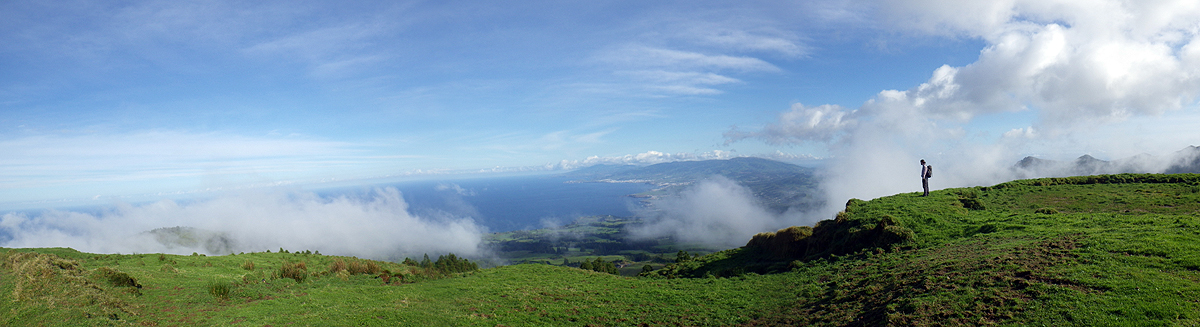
91,163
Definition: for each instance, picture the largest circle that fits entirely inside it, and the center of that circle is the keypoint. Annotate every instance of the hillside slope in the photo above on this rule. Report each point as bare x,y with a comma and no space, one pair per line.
1084,251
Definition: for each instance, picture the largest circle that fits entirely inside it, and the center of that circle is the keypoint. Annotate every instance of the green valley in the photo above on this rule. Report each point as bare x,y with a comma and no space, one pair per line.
1086,251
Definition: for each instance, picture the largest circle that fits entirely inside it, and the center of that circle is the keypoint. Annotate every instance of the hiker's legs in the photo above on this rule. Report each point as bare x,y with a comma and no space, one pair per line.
925,185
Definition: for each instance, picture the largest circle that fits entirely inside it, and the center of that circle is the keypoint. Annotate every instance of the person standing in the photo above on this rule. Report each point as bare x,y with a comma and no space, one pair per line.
925,177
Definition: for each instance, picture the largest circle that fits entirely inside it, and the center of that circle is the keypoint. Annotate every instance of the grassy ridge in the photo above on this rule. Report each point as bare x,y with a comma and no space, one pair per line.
1088,251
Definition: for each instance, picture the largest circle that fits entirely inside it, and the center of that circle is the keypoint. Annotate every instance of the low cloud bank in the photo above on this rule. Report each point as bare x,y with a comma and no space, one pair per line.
716,213
378,225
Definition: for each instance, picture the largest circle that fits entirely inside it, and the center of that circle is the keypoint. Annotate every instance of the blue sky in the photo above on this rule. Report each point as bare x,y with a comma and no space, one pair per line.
105,98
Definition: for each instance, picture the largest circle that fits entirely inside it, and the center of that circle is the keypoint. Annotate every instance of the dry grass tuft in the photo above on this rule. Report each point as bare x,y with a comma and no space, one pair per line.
46,279
294,270
337,266
791,242
364,267
219,289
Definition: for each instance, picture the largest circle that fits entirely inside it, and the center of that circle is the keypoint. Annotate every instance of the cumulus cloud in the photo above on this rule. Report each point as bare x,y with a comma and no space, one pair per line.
716,213
1084,68
378,225
1074,61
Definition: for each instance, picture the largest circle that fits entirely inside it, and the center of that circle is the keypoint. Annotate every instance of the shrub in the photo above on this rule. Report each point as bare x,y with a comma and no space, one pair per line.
162,257
361,267
371,268
682,256
338,265
451,263
1047,211
390,278
971,203
791,242
893,235
219,289
297,271
116,278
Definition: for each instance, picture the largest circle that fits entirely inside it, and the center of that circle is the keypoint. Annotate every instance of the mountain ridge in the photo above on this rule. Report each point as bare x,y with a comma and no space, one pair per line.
1186,160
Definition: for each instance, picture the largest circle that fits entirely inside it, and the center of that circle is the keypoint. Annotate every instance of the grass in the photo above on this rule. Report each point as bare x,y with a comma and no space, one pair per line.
1097,251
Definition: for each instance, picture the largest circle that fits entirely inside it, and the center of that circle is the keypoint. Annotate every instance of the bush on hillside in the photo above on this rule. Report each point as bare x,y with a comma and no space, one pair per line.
361,267
1046,211
451,263
971,203
219,289
682,256
337,265
599,265
789,242
116,278
294,270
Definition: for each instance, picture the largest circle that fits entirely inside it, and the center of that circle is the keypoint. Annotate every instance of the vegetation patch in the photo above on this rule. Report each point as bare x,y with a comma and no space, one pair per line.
297,271
982,281
116,278
219,289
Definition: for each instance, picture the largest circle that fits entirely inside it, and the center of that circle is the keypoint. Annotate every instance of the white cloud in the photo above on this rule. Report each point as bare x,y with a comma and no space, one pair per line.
694,57
691,78
1077,62
1026,132
1087,68
743,41
717,213
84,165
376,226
802,124
454,187
652,57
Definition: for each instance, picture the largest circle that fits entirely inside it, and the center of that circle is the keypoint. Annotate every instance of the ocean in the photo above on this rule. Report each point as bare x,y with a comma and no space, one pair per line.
514,202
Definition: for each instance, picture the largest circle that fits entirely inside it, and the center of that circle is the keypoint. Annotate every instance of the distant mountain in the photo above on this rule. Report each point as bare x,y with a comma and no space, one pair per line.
1186,161
1183,161
777,185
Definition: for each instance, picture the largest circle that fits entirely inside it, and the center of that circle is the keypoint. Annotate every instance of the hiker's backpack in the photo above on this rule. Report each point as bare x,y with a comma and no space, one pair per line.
928,171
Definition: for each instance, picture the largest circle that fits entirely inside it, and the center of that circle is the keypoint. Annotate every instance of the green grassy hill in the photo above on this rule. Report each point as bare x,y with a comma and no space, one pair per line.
1086,251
